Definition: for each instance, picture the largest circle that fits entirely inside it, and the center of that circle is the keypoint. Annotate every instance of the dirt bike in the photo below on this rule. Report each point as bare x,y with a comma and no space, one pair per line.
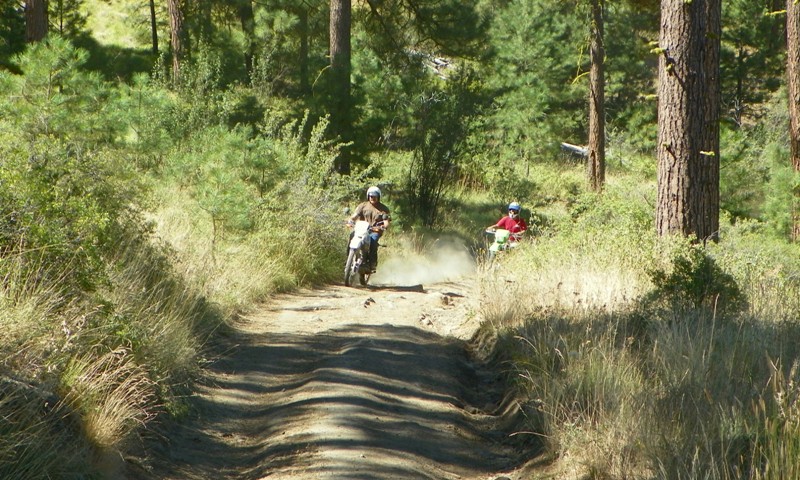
358,254
503,240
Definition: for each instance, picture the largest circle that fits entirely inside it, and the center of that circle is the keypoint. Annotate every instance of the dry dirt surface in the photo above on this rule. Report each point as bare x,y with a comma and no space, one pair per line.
343,382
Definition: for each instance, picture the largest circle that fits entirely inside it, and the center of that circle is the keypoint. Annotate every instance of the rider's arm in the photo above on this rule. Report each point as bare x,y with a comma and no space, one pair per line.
357,213
497,224
382,224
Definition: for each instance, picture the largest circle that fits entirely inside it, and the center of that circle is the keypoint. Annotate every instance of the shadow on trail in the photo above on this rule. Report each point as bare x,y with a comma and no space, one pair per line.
396,288
360,402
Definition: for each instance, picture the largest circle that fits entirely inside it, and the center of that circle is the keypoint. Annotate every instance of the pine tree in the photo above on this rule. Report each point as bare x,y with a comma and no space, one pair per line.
688,119
341,116
176,37
597,139
793,77
36,23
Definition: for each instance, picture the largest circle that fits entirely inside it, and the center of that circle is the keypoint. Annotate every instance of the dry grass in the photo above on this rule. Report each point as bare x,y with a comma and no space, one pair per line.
622,393
113,395
78,373
238,270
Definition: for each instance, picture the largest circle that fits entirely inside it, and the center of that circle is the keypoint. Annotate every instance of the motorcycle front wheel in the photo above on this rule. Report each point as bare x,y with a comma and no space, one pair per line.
349,268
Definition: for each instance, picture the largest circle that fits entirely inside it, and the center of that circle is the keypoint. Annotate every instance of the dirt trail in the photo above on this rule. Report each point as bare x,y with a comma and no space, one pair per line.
348,383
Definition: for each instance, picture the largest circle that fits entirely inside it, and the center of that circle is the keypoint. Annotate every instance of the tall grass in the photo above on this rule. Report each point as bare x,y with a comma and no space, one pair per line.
240,269
82,374
112,395
637,364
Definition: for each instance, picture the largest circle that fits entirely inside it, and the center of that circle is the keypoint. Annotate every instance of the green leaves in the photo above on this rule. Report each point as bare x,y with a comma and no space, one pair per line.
53,96
67,188
696,281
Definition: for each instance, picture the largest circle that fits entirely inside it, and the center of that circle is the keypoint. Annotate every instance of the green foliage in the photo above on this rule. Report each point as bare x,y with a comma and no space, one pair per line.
781,189
695,281
756,178
67,17
12,32
140,108
443,119
54,97
749,47
536,58
282,67
211,166
744,172
449,28
630,71
63,193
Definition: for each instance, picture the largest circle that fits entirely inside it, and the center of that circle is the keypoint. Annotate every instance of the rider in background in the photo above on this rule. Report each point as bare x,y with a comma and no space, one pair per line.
377,214
514,223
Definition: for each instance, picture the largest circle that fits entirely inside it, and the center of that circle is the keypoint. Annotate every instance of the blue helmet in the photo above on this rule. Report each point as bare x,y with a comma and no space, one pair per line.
514,206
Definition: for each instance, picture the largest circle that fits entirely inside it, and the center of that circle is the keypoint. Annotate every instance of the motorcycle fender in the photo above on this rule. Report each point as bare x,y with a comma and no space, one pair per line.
360,232
357,242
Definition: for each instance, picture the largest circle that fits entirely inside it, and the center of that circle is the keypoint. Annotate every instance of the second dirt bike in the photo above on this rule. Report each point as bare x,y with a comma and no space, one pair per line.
503,240
358,255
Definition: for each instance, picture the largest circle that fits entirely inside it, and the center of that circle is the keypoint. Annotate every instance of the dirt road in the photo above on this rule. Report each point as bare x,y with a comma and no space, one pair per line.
348,383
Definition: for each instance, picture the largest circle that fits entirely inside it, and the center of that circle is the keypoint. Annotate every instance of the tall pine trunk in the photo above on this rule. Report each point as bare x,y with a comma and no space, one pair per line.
35,20
176,37
340,75
688,119
597,140
793,80
305,86
247,20
153,26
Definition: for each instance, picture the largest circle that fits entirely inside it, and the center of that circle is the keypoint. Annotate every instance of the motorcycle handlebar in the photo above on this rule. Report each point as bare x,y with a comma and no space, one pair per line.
374,228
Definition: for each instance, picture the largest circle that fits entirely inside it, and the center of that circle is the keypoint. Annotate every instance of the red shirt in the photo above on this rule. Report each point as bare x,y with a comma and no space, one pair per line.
513,225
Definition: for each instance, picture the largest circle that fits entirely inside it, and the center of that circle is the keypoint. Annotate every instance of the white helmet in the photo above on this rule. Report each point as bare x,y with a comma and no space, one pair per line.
373,192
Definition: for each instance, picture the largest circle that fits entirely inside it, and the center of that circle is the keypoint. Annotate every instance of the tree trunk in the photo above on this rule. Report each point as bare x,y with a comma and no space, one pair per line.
711,91
688,119
35,20
176,37
340,76
200,18
153,26
793,74
305,85
597,149
248,27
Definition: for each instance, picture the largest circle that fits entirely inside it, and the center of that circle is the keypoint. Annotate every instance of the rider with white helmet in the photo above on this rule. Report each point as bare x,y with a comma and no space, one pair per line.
377,214
514,223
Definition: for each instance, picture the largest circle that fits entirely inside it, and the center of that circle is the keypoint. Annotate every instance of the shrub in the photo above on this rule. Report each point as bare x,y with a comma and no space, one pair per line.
65,188
694,281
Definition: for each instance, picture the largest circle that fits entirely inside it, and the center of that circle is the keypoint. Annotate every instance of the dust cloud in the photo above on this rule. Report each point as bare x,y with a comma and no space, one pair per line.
444,260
